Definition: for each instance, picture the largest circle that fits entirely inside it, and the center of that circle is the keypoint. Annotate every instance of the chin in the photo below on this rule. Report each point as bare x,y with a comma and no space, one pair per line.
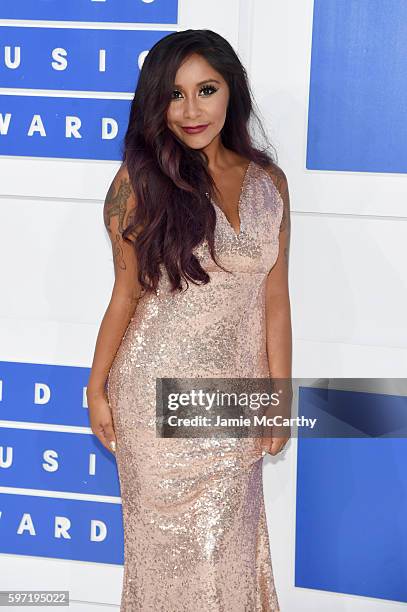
194,142
197,145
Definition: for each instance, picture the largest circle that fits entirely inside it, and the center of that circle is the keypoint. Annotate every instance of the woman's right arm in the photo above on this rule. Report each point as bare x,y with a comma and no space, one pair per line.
119,202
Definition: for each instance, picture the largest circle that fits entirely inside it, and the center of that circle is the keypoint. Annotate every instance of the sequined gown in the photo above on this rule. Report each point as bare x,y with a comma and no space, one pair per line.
195,530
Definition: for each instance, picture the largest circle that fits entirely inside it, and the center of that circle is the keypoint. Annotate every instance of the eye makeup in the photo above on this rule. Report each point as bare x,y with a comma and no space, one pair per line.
208,86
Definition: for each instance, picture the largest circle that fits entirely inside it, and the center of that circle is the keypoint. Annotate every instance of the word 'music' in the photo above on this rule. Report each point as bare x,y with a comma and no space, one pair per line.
59,58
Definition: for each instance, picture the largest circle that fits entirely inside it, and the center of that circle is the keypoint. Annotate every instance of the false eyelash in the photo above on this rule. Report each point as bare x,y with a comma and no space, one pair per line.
210,87
214,90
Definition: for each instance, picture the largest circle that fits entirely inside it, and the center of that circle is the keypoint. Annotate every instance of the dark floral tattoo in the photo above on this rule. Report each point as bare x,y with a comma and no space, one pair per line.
116,206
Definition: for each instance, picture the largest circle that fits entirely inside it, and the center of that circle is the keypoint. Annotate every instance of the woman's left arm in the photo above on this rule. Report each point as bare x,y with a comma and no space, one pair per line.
278,310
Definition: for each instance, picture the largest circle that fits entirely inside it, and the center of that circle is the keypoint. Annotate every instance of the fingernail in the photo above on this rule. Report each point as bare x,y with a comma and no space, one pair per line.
113,446
263,452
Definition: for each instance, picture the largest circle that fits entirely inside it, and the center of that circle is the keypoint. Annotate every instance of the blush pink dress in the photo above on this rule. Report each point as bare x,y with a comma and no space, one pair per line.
195,530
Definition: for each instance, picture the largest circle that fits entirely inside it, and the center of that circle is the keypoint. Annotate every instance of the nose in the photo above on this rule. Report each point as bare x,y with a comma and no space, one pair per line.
191,108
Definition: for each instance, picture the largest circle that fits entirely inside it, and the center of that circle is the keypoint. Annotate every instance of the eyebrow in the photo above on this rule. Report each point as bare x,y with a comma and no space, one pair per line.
202,82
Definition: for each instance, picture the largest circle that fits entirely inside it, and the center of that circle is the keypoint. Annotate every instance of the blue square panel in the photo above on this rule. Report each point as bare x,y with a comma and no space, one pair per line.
132,11
351,529
358,93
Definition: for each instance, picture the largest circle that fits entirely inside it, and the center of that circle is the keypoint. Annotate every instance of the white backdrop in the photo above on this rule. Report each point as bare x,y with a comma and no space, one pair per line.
347,276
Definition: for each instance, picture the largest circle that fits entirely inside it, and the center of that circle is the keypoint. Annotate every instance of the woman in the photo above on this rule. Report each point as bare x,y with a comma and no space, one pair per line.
199,224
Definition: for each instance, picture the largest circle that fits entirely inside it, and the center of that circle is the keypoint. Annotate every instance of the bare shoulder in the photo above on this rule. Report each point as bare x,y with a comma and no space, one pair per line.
279,179
119,200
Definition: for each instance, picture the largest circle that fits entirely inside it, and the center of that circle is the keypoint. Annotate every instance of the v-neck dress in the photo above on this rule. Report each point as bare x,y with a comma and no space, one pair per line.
195,528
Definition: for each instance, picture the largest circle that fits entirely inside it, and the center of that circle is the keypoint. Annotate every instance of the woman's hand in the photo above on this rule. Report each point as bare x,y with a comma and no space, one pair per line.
273,445
101,422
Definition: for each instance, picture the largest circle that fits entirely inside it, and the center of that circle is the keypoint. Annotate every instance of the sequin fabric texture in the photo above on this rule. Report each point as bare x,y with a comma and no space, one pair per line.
195,530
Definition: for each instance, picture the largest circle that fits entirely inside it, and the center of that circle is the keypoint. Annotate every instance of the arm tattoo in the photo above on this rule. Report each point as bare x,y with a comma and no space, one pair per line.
116,205
118,253
116,202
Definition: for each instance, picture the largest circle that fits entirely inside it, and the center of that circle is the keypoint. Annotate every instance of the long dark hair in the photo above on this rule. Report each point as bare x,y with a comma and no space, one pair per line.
169,179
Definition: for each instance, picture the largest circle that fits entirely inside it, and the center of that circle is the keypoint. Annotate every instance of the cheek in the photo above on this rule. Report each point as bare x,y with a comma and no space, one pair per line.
172,114
220,109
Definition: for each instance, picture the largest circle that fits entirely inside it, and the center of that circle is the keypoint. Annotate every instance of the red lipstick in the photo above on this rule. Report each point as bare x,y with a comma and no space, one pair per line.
195,129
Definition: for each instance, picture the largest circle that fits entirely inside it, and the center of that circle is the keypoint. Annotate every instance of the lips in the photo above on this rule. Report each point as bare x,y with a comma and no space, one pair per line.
195,129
